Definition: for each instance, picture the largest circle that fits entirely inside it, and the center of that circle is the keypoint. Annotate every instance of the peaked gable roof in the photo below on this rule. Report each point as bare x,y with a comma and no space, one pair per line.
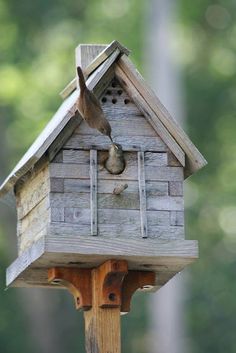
112,59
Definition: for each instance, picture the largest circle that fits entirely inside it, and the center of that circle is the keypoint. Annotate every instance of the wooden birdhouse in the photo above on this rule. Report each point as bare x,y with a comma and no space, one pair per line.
72,212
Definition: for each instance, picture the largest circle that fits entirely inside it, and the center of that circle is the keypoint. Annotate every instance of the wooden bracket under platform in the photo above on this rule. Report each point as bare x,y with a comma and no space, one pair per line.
114,288
103,293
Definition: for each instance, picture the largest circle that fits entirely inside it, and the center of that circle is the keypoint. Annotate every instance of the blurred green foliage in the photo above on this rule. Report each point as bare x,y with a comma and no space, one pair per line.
37,41
209,31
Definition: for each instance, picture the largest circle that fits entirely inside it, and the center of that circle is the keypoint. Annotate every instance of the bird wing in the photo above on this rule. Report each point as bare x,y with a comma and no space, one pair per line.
92,99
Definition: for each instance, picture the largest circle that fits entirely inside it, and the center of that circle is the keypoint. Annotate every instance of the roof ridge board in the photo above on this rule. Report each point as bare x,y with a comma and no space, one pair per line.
96,62
55,125
195,159
151,116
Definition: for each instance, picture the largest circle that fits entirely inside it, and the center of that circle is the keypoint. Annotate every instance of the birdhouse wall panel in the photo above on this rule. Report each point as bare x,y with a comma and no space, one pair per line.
32,206
130,126
104,186
113,231
176,188
75,206
57,214
69,170
177,218
75,156
128,143
80,200
34,189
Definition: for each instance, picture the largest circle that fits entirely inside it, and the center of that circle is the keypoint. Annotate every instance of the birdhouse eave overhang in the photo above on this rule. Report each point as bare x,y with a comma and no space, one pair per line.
112,60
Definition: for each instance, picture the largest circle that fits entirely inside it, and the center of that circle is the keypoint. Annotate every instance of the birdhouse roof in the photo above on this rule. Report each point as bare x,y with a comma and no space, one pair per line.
113,59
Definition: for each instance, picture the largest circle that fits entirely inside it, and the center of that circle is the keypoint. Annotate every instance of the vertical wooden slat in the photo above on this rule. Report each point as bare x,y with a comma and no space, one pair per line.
93,191
142,194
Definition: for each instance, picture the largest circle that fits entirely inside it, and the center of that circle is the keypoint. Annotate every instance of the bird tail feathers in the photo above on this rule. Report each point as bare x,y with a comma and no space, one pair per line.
82,83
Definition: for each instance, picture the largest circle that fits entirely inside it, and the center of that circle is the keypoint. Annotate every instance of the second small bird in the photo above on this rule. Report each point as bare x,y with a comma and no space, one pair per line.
90,108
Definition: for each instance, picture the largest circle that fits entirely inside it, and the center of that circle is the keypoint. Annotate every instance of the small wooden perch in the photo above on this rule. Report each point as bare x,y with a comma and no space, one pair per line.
119,189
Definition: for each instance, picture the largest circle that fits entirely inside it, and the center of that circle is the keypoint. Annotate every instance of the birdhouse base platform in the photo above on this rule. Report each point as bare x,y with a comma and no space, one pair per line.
165,258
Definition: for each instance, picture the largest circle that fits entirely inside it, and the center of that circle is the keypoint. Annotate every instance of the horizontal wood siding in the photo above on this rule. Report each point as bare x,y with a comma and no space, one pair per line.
161,177
32,199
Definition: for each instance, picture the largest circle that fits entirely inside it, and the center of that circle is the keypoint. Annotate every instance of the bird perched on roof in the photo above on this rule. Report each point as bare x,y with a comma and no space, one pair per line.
90,108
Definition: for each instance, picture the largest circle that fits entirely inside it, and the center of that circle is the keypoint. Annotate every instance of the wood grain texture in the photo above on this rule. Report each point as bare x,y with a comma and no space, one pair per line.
177,218
122,231
176,188
155,188
34,217
33,192
142,195
128,201
166,258
81,216
70,170
93,192
195,160
57,214
81,171
76,156
127,127
99,142
102,325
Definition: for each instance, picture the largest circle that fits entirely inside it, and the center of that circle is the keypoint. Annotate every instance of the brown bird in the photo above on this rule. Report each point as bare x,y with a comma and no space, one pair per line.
115,163
90,108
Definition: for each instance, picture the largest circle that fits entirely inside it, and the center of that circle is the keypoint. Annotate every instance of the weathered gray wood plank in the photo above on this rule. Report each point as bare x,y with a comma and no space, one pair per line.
33,192
31,235
56,185
165,257
101,142
142,195
176,188
127,127
76,156
69,200
164,173
157,188
177,218
119,216
93,191
104,186
57,214
155,159
122,201
76,185
34,218
168,203
69,170
77,215
124,231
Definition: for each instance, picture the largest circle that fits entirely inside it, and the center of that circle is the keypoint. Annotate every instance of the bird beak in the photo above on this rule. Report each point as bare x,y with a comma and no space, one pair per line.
111,139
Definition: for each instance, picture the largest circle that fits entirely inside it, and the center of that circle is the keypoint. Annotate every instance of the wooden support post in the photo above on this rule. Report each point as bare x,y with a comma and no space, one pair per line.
102,322
102,293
